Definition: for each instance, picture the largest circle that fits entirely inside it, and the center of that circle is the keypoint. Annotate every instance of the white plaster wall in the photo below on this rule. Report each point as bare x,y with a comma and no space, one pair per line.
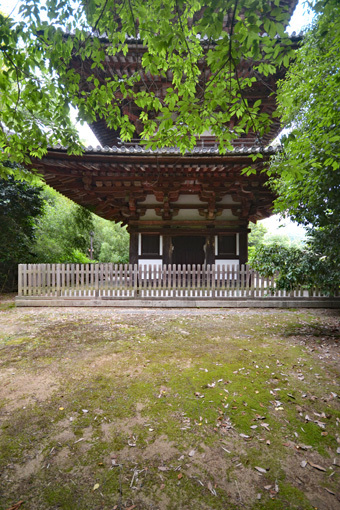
150,214
226,215
150,199
152,262
188,214
227,262
189,199
227,199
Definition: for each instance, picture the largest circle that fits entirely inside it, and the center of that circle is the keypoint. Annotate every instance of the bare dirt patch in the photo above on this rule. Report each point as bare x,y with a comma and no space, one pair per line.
18,390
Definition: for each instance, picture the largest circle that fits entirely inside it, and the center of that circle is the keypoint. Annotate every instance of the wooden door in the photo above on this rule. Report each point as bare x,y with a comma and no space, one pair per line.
188,250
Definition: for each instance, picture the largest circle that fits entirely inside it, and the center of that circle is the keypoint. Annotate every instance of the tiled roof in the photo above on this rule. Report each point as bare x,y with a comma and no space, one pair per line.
138,149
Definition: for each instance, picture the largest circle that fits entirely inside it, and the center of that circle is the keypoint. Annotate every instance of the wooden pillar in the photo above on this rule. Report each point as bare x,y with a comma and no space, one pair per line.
133,255
210,249
243,247
167,249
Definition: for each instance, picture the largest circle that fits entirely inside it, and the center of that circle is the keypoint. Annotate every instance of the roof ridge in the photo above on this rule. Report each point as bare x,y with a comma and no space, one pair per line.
138,149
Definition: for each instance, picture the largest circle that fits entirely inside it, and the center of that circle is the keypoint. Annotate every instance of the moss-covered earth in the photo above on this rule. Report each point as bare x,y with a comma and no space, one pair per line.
165,409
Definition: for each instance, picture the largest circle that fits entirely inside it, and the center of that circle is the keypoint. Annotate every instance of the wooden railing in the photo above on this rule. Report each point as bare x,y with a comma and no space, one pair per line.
109,281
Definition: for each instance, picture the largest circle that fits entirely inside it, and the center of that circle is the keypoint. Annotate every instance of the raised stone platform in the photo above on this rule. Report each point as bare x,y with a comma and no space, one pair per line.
269,302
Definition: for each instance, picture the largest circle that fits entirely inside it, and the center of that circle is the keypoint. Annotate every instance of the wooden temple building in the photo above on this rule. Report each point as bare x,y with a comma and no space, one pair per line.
179,209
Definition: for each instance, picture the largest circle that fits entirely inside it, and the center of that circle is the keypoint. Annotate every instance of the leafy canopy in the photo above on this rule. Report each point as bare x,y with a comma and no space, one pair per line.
309,167
309,101
20,207
294,266
33,104
207,53
64,230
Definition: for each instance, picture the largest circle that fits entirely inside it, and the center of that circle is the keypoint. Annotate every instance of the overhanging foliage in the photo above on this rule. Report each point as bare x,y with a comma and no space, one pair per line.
212,52
308,182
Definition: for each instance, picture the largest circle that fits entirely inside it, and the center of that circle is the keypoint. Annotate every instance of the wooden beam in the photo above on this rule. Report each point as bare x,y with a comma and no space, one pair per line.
184,223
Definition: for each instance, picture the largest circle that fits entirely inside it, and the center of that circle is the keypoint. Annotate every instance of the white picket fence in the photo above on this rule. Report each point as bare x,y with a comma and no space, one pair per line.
110,281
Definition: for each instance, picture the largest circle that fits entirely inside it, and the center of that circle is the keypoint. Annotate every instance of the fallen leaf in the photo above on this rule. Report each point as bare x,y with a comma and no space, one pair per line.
96,486
259,417
303,463
330,492
162,468
304,447
17,505
61,408
211,488
192,453
316,466
320,424
260,470
179,476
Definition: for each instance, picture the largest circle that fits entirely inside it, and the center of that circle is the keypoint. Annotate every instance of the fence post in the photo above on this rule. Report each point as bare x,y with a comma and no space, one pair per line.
213,276
247,281
252,277
58,280
96,282
134,276
20,266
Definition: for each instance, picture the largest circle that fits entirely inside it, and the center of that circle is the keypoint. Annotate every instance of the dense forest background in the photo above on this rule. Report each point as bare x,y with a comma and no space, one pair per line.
39,225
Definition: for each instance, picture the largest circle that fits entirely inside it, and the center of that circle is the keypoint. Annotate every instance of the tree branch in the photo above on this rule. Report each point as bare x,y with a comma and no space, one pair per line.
185,39
100,15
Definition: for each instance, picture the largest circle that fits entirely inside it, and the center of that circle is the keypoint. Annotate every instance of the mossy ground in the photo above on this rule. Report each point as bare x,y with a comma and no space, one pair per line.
104,409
